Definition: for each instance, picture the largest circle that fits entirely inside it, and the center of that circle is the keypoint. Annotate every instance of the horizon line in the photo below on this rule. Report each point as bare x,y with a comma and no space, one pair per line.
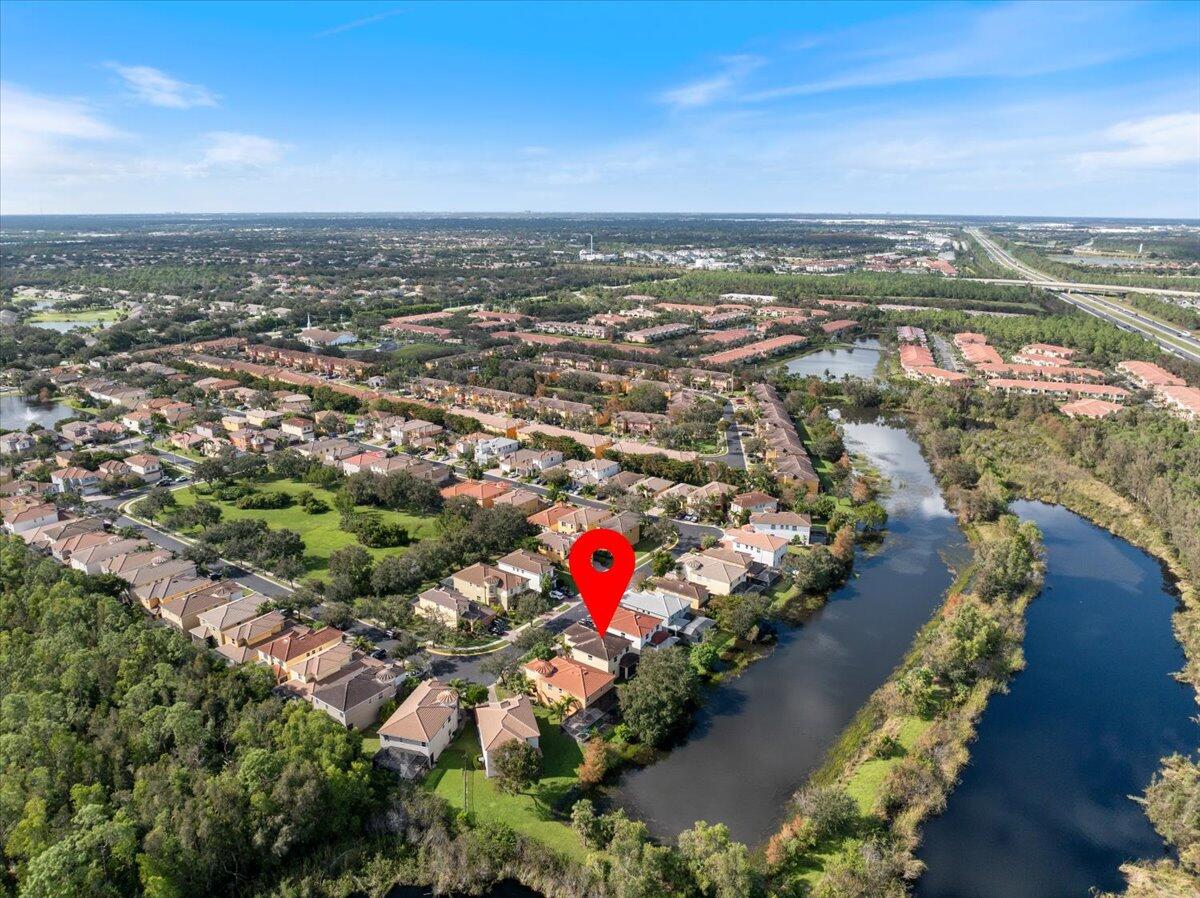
479,213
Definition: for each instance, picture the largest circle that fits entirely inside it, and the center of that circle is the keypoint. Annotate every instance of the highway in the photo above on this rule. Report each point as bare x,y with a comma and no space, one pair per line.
1169,337
1044,280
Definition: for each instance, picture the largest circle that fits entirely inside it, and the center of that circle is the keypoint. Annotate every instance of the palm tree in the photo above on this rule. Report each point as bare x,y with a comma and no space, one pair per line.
562,708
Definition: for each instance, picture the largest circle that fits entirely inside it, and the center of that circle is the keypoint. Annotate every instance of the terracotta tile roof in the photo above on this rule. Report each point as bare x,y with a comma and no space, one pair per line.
509,720
572,677
423,714
298,641
1150,374
634,623
479,490
1089,408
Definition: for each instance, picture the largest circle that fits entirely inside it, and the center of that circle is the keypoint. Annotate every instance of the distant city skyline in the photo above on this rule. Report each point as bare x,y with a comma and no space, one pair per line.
1001,109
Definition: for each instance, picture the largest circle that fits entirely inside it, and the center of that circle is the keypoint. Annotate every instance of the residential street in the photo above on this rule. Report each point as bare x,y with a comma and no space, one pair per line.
445,666
735,453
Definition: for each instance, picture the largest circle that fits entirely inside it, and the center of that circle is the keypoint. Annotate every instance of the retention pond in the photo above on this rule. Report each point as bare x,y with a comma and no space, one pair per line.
758,737
1043,809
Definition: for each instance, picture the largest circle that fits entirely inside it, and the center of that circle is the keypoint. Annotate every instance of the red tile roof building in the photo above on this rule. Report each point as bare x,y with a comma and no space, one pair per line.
1150,375
760,350
1089,408
1053,388
562,677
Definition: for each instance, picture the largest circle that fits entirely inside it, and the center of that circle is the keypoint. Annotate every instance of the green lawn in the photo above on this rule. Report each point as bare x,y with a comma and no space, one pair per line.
456,779
425,351
782,593
85,315
320,532
865,783
168,446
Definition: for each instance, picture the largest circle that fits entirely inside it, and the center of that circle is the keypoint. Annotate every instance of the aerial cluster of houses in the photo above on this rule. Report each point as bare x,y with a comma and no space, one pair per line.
472,598
318,665
784,452
1046,369
1170,391
582,676
736,318
917,362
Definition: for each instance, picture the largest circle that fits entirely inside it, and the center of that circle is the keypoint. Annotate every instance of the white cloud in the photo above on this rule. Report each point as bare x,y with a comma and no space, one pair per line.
38,133
56,151
26,111
1015,40
229,149
1160,141
153,86
734,70
359,23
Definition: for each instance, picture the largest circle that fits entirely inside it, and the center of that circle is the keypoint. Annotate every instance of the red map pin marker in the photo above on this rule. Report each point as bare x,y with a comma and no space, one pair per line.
601,590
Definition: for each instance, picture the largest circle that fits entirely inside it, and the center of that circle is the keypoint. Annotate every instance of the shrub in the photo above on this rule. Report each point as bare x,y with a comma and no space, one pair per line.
828,810
377,534
266,500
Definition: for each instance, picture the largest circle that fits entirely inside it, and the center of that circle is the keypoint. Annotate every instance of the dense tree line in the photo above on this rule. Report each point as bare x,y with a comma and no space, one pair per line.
398,491
704,863
698,472
36,348
1184,316
790,287
132,763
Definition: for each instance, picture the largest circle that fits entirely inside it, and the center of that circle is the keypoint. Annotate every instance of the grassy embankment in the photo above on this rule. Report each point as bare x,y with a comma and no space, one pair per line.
1026,460
1035,470
885,740
321,533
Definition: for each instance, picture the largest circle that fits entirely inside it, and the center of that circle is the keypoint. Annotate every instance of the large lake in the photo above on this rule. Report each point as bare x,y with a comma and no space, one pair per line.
758,737
1043,809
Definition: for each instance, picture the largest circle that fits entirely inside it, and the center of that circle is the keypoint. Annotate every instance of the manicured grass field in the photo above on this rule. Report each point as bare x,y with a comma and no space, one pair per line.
530,812
85,315
422,351
320,532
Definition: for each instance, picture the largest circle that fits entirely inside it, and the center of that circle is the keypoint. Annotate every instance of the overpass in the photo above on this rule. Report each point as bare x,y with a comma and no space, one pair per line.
1171,338
1043,280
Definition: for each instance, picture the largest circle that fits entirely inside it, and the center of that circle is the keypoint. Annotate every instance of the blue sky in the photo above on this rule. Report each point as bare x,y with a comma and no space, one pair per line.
1007,108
